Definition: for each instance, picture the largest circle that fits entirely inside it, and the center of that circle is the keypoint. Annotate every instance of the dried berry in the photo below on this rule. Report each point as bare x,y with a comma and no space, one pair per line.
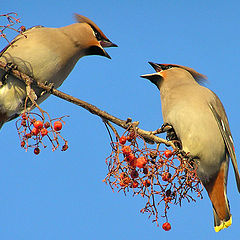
168,192
46,124
36,150
166,176
22,144
134,174
23,123
145,170
65,147
146,183
153,154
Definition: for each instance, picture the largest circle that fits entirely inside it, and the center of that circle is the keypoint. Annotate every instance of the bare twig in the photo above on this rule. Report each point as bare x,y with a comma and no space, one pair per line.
148,136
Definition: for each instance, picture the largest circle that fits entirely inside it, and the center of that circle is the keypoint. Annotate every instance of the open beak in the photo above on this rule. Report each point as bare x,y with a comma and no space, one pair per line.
107,43
154,77
151,76
157,67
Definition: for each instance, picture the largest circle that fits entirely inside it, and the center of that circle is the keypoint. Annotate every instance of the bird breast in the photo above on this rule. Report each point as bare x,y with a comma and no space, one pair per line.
197,129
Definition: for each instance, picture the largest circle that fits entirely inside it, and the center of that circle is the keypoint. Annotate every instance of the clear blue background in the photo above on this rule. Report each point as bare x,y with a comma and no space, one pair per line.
60,195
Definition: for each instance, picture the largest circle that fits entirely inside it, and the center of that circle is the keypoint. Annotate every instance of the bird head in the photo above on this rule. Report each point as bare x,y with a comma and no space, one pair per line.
168,72
93,40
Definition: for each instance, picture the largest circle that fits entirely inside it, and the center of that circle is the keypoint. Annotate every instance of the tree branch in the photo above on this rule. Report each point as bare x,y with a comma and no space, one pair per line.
148,136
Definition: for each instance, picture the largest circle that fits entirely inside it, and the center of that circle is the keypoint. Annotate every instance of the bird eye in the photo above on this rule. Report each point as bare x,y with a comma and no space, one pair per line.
97,35
167,67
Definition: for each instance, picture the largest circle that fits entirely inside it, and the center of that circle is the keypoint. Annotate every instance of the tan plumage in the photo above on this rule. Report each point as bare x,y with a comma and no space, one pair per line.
48,55
200,122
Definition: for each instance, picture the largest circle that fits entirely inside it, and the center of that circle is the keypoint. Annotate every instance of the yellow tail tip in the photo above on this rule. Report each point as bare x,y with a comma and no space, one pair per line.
228,223
223,225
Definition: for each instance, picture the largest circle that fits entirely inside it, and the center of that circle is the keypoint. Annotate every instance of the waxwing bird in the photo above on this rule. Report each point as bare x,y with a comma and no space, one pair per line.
200,122
48,55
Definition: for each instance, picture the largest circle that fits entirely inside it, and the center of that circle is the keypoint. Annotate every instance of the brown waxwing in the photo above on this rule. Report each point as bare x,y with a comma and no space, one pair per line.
200,122
48,55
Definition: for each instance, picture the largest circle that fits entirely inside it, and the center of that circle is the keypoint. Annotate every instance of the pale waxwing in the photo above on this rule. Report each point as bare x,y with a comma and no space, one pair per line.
48,55
200,122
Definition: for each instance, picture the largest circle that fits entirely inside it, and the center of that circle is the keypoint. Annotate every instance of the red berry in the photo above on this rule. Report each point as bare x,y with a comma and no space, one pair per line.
122,140
57,126
24,117
38,124
126,150
134,184
22,144
166,226
146,183
168,153
44,132
36,151
166,176
134,174
35,131
141,162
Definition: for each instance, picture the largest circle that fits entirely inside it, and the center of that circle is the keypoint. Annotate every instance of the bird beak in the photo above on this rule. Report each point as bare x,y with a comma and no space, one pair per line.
97,50
105,54
151,76
156,77
107,43
157,67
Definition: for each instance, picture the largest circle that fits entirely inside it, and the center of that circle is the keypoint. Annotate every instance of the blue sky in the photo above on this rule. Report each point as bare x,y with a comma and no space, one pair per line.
60,195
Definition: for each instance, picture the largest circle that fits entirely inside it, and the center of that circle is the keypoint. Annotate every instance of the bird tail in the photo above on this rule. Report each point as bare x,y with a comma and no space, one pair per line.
220,224
217,193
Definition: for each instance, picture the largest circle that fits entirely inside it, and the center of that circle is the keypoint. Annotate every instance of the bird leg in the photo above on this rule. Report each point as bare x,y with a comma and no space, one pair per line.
8,69
190,158
171,135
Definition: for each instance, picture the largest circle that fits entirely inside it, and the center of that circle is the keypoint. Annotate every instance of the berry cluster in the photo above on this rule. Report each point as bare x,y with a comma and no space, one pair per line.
162,177
33,129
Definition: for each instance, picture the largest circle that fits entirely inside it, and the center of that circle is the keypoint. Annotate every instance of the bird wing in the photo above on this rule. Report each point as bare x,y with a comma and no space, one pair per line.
5,49
16,39
221,118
